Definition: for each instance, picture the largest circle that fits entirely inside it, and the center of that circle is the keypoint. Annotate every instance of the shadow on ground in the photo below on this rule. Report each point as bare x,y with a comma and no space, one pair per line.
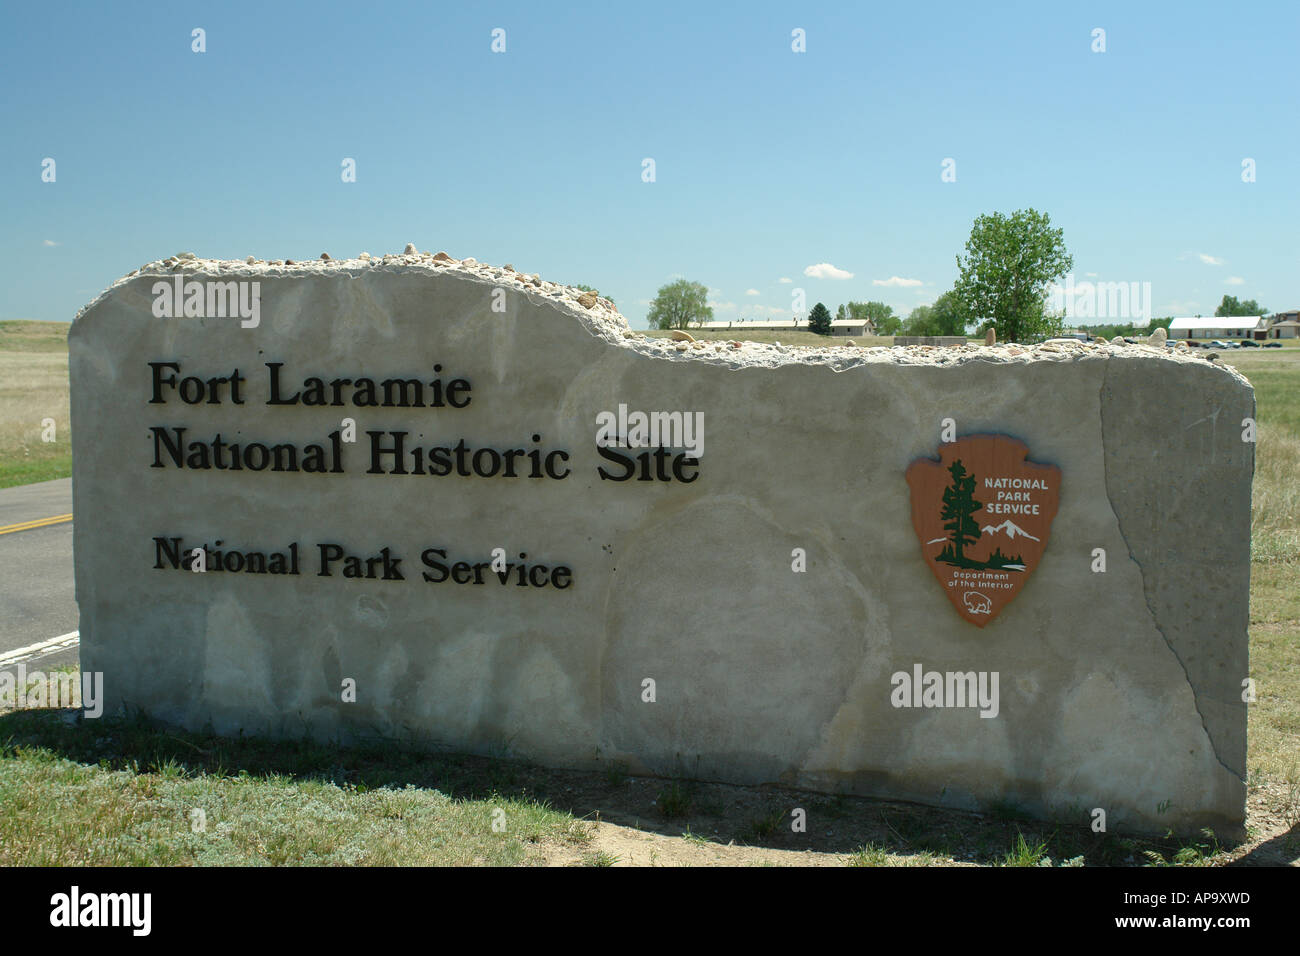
866,831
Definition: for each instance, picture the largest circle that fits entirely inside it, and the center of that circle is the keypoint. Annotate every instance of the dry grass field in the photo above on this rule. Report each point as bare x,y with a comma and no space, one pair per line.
33,388
1274,735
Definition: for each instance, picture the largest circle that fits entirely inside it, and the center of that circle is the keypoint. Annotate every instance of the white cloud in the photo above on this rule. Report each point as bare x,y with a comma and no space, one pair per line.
751,292
897,281
784,279
49,242
1234,280
824,270
1209,260
723,306
1091,275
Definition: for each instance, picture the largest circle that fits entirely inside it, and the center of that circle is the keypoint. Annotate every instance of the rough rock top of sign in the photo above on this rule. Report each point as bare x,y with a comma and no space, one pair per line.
602,318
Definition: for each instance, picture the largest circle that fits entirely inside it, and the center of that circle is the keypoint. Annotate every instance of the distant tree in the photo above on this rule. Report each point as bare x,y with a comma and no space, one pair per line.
944,317
680,304
1010,262
882,317
819,320
1230,306
920,321
1110,330
587,288
949,314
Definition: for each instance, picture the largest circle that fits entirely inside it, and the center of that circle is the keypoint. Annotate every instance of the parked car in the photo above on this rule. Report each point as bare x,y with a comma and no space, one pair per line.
1216,344
1192,343
1272,345
1249,344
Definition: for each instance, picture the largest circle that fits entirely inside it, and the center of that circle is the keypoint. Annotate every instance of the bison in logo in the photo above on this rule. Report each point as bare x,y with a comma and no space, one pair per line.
976,603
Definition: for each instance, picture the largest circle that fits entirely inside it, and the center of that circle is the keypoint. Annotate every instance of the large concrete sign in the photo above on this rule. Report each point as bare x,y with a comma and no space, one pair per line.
425,499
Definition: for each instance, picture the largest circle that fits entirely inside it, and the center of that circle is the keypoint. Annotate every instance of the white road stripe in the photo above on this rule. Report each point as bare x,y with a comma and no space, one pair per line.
19,654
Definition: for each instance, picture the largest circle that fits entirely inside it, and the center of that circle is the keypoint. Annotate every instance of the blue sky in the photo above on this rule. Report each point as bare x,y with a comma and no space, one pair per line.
767,162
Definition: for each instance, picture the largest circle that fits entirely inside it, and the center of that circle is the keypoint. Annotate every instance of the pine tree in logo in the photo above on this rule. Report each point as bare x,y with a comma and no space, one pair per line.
959,505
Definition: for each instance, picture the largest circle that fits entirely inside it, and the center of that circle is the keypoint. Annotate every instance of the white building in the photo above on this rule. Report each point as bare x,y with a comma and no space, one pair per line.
1284,325
1219,327
842,327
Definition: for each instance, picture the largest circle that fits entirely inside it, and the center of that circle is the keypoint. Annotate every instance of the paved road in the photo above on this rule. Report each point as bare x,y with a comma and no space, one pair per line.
36,593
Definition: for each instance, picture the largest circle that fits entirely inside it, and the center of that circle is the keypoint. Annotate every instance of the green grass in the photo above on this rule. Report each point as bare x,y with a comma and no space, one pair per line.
674,801
1023,853
766,826
870,855
29,335
39,468
694,838
113,793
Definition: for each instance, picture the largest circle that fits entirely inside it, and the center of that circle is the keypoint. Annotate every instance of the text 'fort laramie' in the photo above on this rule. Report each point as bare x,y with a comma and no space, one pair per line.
382,452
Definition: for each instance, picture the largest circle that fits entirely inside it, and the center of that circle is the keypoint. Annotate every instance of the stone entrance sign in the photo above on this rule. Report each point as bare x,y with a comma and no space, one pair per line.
425,499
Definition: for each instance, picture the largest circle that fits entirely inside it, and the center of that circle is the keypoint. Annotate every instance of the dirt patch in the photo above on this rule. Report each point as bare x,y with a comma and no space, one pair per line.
655,822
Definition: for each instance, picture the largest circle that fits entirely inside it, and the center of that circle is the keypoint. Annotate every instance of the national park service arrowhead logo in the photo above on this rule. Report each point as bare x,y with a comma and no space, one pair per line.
983,513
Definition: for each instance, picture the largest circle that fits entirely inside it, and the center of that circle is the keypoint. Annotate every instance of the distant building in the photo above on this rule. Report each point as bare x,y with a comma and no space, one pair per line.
1284,325
841,327
1219,327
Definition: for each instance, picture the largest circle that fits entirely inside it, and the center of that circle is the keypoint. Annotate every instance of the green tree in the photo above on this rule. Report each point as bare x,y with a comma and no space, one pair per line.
949,314
1230,306
679,304
1010,262
921,321
819,320
882,316
587,288
945,317
958,505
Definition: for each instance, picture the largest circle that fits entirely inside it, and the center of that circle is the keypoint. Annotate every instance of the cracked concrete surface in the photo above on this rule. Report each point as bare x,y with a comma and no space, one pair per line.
1178,522
1119,690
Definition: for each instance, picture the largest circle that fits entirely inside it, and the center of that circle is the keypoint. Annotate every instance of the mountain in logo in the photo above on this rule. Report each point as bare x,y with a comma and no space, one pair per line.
1009,528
